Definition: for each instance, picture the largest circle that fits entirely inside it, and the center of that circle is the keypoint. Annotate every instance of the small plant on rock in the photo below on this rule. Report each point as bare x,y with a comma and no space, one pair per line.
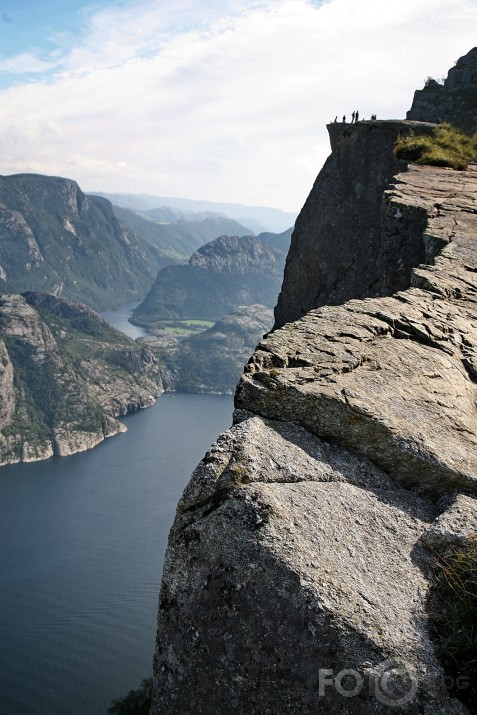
453,617
136,702
445,146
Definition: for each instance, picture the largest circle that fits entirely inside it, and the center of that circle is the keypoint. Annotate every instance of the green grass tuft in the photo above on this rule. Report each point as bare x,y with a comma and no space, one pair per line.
453,617
446,146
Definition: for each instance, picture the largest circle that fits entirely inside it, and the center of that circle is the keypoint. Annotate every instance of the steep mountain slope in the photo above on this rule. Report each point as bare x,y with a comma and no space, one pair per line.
213,360
65,375
55,238
318,260
224,273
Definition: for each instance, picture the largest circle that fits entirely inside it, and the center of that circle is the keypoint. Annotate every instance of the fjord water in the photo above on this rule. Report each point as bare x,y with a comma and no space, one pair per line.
82,541
119,319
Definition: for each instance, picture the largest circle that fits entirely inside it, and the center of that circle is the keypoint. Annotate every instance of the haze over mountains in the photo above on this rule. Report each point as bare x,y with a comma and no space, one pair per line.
178,239
258,218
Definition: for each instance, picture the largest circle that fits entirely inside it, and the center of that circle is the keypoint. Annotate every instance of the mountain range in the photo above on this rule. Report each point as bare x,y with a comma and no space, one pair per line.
179,238
55,238
65,373
257,218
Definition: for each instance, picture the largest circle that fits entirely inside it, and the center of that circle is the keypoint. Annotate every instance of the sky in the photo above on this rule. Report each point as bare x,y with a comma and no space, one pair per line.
222,100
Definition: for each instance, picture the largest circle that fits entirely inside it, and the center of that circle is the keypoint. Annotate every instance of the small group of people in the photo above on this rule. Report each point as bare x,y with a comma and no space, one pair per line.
354,118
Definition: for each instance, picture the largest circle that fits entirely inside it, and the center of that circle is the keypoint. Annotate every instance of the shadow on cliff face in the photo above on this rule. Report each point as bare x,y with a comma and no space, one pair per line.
345,245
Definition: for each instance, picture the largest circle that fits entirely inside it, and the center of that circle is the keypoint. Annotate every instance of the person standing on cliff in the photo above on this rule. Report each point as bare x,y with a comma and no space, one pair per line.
356,115
344,119
352,118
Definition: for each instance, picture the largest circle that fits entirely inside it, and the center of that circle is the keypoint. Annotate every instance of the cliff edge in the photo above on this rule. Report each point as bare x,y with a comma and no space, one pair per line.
338,250
298,568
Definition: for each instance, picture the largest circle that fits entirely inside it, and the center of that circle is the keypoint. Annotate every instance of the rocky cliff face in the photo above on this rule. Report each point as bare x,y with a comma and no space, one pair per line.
454,101
341,229
65,376
298,567
55,238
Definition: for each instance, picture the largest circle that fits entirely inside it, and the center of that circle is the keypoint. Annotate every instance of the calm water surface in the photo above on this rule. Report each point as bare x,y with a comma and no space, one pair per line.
82,541
119,319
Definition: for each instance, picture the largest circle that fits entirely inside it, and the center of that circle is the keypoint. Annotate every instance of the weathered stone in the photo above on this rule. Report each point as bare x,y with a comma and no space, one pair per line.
391,378
454,101
456,524
289,555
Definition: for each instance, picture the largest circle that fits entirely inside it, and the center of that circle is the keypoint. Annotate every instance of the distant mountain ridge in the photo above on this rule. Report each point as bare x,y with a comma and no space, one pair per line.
258,218
179,239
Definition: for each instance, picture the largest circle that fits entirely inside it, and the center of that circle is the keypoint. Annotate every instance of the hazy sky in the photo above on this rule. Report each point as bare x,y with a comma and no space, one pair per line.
225,100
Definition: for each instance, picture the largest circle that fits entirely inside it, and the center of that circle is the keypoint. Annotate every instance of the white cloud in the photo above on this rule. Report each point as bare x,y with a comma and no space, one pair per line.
26,62
225,100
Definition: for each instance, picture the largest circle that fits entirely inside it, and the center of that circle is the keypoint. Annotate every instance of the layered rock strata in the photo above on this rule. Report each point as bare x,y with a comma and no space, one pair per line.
298,567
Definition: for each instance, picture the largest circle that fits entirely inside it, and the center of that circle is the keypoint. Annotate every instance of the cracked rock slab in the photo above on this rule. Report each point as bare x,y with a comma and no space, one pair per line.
284,545
393,378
